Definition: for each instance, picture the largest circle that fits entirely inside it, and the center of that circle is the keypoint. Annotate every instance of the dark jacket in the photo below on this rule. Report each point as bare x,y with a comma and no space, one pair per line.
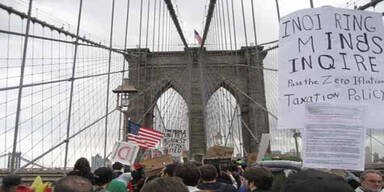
217,187
88,176
262,190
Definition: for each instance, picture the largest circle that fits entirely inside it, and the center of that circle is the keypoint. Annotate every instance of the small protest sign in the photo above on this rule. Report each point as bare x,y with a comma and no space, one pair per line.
157,163
263,146
330,55
124,152
174,141
219,151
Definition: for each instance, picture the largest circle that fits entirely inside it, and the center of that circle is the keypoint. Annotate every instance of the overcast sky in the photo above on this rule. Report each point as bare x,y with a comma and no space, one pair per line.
191,13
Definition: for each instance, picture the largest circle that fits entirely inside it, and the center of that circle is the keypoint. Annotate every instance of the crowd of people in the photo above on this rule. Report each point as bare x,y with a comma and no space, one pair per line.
194,176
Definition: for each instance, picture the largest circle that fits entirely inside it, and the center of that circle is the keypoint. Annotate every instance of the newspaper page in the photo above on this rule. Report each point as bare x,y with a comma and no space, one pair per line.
334,136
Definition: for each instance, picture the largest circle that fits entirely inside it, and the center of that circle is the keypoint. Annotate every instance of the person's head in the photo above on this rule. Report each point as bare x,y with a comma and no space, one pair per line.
371,180
73,184
165,184
208,172
10,182
117,166
258,178
169,169
316,181
103,175
82,165
189,173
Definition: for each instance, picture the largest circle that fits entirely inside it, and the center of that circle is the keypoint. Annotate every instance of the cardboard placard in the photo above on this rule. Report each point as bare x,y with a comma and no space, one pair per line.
157,163
219,151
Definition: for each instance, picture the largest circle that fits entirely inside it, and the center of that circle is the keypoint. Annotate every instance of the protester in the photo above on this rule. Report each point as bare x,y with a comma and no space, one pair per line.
168,170
315,181
103,176
138,178
12,183
258,179
125,177
117,166
190,175
208,176
73,184
83,169
165,184
104,179
226,176
371,181
236,175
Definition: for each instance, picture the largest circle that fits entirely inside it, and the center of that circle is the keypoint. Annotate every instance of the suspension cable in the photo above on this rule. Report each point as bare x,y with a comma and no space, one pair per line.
245,26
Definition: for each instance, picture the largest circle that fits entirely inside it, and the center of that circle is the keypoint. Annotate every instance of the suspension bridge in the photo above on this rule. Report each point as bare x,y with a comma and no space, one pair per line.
56,79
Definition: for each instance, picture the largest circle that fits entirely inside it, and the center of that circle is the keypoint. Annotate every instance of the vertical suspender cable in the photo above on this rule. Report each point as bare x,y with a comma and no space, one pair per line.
163,29
154,26
141,18
146,36
224,27
140,27
169,31
166,31
20,91
72,84
108,83
216,32
234,26
122,77
254,23
220,25
311,3
229,26
245,26
158,31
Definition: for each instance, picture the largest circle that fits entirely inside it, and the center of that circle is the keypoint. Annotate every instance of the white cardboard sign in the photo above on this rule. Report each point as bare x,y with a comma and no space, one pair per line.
174,141
330,55
125,152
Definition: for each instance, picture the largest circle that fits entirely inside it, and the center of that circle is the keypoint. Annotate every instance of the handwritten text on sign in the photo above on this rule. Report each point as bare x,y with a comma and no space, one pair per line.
330,55
174,141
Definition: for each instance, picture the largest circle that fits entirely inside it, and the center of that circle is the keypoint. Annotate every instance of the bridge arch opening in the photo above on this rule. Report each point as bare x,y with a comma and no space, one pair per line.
223,121
170,116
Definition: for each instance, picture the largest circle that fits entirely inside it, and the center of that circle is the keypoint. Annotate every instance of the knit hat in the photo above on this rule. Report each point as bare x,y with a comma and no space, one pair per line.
117,166
137,166
103,175
11,180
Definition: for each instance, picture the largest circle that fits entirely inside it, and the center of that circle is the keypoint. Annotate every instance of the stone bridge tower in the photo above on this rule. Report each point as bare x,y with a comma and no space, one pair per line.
196,74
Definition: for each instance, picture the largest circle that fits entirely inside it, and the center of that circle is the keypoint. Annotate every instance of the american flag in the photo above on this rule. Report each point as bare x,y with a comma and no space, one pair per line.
143,136
198,38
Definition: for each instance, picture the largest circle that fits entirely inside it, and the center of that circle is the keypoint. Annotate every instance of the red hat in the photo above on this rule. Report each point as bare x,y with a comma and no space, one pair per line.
137,166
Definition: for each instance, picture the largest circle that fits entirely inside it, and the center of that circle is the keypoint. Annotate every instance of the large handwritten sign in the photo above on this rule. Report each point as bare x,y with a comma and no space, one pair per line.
330,55
174,141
